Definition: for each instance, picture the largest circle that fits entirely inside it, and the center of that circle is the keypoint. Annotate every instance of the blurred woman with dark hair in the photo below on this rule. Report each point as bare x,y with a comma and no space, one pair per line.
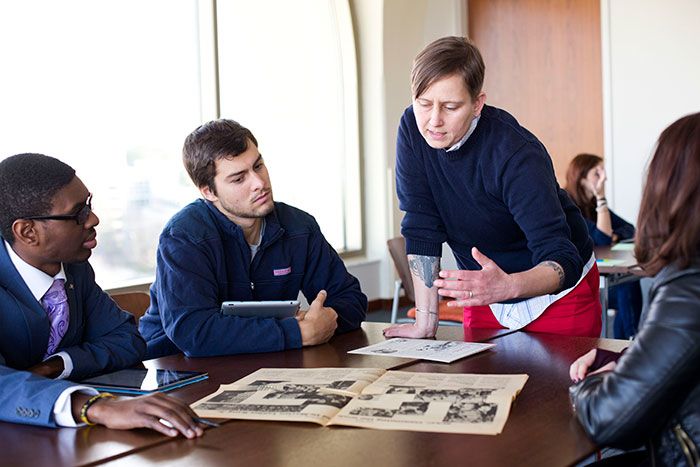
651,394
585,183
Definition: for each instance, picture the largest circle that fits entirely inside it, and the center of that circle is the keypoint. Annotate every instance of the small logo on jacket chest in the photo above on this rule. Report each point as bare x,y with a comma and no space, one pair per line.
282,272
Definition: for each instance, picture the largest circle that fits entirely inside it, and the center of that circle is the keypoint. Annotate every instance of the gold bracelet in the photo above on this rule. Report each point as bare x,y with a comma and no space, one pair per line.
86,406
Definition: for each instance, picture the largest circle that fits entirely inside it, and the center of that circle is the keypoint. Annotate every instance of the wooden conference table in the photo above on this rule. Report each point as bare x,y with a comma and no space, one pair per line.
541,429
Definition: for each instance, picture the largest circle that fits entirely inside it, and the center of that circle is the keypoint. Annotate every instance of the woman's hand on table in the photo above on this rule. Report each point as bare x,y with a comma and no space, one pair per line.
412,330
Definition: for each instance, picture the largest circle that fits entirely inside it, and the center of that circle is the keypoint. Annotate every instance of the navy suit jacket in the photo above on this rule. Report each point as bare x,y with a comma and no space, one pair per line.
100,338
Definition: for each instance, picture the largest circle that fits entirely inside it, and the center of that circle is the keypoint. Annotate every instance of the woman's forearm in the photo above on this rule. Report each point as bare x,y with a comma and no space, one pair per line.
545,278
424,272
603,221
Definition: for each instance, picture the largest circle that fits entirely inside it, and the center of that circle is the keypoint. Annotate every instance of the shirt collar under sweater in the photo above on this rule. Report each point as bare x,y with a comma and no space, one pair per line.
472,127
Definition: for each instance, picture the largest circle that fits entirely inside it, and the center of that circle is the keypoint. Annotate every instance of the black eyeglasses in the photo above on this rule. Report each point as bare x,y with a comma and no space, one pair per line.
79,217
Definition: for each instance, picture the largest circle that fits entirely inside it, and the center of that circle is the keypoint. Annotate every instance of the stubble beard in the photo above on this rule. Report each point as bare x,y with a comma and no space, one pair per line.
259,213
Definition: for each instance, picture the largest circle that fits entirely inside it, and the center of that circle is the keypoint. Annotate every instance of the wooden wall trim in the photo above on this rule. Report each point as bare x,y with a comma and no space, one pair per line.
543,65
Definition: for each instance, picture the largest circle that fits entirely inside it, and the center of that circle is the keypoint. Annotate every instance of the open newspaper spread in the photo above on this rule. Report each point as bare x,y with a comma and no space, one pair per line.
369,398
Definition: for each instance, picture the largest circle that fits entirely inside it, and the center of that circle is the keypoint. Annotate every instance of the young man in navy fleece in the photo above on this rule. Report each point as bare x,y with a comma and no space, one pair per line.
238,244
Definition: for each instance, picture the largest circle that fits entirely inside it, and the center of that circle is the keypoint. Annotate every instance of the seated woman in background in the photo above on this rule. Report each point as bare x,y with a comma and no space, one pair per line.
651,395
585,183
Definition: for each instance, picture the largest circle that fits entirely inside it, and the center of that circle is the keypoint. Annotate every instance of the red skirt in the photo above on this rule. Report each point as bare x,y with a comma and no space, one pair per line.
576,314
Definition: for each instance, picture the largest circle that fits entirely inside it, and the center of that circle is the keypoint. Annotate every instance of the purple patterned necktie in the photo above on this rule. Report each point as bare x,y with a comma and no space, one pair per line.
55,302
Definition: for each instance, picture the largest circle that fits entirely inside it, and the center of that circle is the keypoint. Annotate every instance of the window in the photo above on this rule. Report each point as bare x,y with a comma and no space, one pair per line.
287,71
113,87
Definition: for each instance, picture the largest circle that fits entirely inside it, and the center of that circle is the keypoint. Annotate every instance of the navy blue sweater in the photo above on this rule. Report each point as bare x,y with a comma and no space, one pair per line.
497,192
623,229
203,260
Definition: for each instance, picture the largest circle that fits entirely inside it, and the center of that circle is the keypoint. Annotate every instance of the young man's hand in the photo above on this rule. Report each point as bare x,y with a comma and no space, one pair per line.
50,368
158,412
318,324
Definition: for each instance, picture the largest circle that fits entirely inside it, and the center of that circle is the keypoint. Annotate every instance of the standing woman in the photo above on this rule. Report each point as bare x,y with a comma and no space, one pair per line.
468,174
651,395
585,183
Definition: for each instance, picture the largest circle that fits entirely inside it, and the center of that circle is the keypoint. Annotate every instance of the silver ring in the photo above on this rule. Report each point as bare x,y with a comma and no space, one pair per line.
471,295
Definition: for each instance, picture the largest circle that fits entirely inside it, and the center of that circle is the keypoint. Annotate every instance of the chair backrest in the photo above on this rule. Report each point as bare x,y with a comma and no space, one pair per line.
135,303
397,250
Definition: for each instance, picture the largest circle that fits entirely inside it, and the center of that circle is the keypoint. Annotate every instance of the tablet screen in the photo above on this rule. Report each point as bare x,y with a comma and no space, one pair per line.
141,379
279,309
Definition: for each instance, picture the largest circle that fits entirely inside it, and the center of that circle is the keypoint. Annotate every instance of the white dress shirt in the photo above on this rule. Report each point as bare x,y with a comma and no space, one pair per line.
39,283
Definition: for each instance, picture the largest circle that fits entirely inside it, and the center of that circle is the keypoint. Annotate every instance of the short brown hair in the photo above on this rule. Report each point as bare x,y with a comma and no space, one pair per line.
445,57
577,171
210,142
669,216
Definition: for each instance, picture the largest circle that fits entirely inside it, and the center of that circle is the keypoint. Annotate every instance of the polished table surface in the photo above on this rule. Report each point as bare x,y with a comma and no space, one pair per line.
23,445
541,428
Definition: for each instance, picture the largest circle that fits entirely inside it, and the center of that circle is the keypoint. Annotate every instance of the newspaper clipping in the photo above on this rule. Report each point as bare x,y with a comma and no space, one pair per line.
424,349
370,398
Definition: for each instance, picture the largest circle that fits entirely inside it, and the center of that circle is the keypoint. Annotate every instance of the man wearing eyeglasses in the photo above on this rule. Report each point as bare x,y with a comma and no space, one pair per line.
55,321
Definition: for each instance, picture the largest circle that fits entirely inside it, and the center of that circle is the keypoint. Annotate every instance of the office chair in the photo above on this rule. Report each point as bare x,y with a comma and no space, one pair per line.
449,316
135,303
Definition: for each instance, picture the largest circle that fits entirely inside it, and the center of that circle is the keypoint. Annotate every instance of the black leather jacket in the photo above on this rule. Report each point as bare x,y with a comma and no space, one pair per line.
653,395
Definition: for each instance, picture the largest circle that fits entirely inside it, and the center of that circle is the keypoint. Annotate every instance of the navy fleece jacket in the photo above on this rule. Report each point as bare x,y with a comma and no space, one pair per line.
203,260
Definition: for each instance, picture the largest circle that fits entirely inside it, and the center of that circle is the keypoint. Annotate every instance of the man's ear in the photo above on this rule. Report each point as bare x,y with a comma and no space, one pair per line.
208,193
479,103
25,232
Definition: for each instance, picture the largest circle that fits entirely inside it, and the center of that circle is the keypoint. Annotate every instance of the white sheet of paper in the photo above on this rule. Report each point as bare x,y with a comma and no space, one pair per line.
623,247
610,262
424,349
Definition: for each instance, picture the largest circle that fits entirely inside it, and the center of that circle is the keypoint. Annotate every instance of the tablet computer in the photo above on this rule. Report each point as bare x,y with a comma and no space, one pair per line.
265,309
143,381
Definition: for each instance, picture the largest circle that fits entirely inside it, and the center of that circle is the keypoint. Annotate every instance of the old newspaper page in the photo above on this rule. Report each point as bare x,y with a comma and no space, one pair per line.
437,402
288,394
370,398
424,349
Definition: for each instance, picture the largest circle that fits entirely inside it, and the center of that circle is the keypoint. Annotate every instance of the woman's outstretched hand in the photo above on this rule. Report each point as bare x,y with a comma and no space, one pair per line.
474,288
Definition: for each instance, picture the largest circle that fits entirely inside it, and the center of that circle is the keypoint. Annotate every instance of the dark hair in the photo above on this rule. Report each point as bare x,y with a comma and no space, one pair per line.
29,183
669,216
210,142
577,171
445,57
